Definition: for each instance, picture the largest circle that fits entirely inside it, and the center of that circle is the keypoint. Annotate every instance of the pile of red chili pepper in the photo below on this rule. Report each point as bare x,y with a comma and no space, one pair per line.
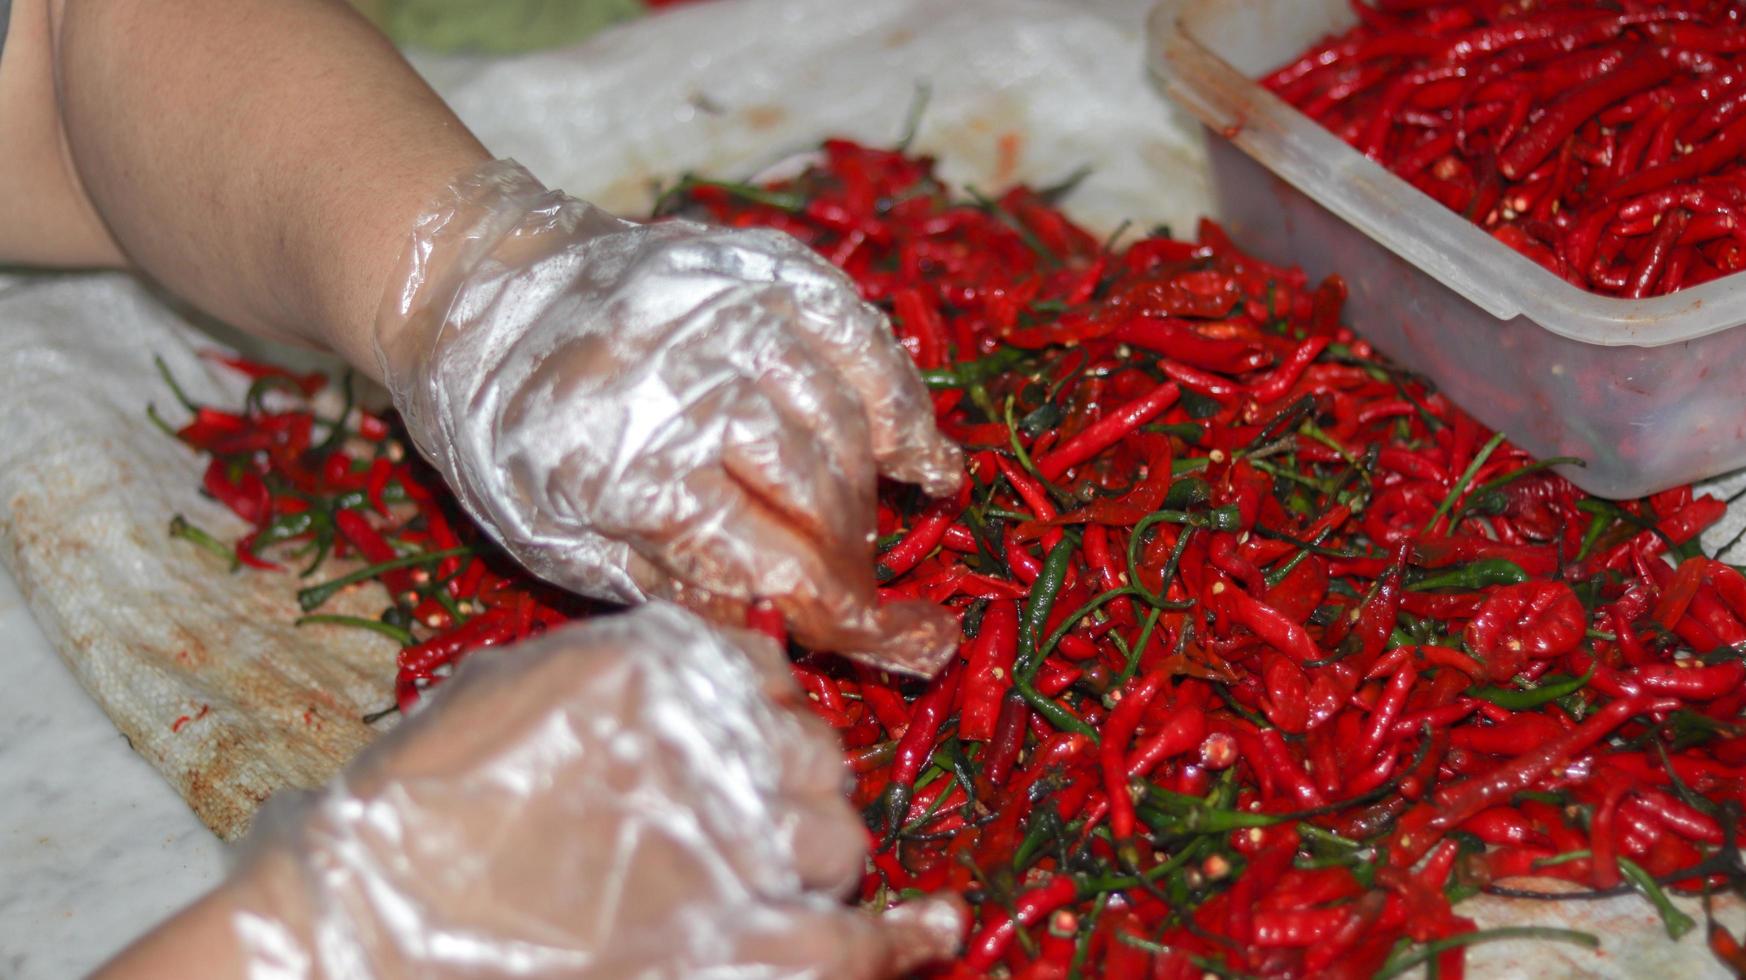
1602,140
346,487
1271,655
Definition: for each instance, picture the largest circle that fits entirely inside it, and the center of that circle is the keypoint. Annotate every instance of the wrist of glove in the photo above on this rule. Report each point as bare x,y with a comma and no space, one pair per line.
637,796
663,409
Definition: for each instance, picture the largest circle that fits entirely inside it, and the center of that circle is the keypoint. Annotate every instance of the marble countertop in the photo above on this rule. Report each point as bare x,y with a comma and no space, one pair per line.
95,848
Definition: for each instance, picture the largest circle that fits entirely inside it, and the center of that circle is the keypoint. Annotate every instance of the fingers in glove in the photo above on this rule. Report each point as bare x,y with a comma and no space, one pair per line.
825,595
829,844
855,339
819,940
814,468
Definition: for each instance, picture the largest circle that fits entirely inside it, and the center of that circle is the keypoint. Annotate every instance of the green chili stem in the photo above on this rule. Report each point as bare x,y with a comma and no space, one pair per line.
1502,481
315,595
969,373
1466,478
338,433
1115,883
1315,432
180,528
1430,951
918,105
1076,615
376,716
1132,665
163,426
398,634
1057,715
175,389
1279,574
1019,228
791,202
1676,922
1076,969
1018,451
1565,858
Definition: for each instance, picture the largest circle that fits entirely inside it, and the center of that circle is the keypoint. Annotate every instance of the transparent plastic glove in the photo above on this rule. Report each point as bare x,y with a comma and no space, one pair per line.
639,796
664,409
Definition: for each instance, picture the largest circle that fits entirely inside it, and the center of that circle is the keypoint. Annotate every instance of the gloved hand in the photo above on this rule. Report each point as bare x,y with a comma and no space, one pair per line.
663,409
639,796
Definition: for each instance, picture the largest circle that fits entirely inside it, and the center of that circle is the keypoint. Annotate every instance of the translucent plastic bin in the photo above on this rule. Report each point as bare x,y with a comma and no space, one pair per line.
1652,393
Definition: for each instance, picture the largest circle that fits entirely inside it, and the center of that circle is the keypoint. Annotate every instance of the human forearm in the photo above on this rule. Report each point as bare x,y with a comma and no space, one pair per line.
263,159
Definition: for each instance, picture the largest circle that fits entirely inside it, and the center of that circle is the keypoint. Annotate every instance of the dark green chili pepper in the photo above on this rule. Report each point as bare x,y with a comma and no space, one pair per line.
974,372
288,526
1039,604
1186,431
1186,493
1474,575
1551,689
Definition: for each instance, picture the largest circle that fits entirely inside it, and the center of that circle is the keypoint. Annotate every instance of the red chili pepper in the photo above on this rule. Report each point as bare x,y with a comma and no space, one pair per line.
988,671
374,548
1266,622
917,744
1107,431
1576,107
1034,496
1538,620
924,536
1278,384
1009,738
1000,926
886,704
1376,617
1118,731
1380,724
1475,795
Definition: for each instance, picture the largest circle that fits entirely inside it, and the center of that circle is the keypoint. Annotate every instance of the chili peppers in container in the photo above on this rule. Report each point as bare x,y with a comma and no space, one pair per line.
1270,654
1603,142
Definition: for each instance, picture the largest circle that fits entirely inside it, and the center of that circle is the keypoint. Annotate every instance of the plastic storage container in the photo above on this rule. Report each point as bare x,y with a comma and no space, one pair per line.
1651,393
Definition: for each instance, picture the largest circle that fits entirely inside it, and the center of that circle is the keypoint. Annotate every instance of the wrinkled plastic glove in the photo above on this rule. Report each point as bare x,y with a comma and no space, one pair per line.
665,409
637,796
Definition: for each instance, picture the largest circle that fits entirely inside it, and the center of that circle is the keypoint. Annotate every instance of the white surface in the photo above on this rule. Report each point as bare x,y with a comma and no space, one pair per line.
94,845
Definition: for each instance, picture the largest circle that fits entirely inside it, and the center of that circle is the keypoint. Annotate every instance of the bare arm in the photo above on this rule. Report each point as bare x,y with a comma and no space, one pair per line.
264,159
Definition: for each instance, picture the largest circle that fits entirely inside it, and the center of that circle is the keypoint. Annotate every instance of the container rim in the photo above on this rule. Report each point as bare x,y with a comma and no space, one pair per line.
1392,212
